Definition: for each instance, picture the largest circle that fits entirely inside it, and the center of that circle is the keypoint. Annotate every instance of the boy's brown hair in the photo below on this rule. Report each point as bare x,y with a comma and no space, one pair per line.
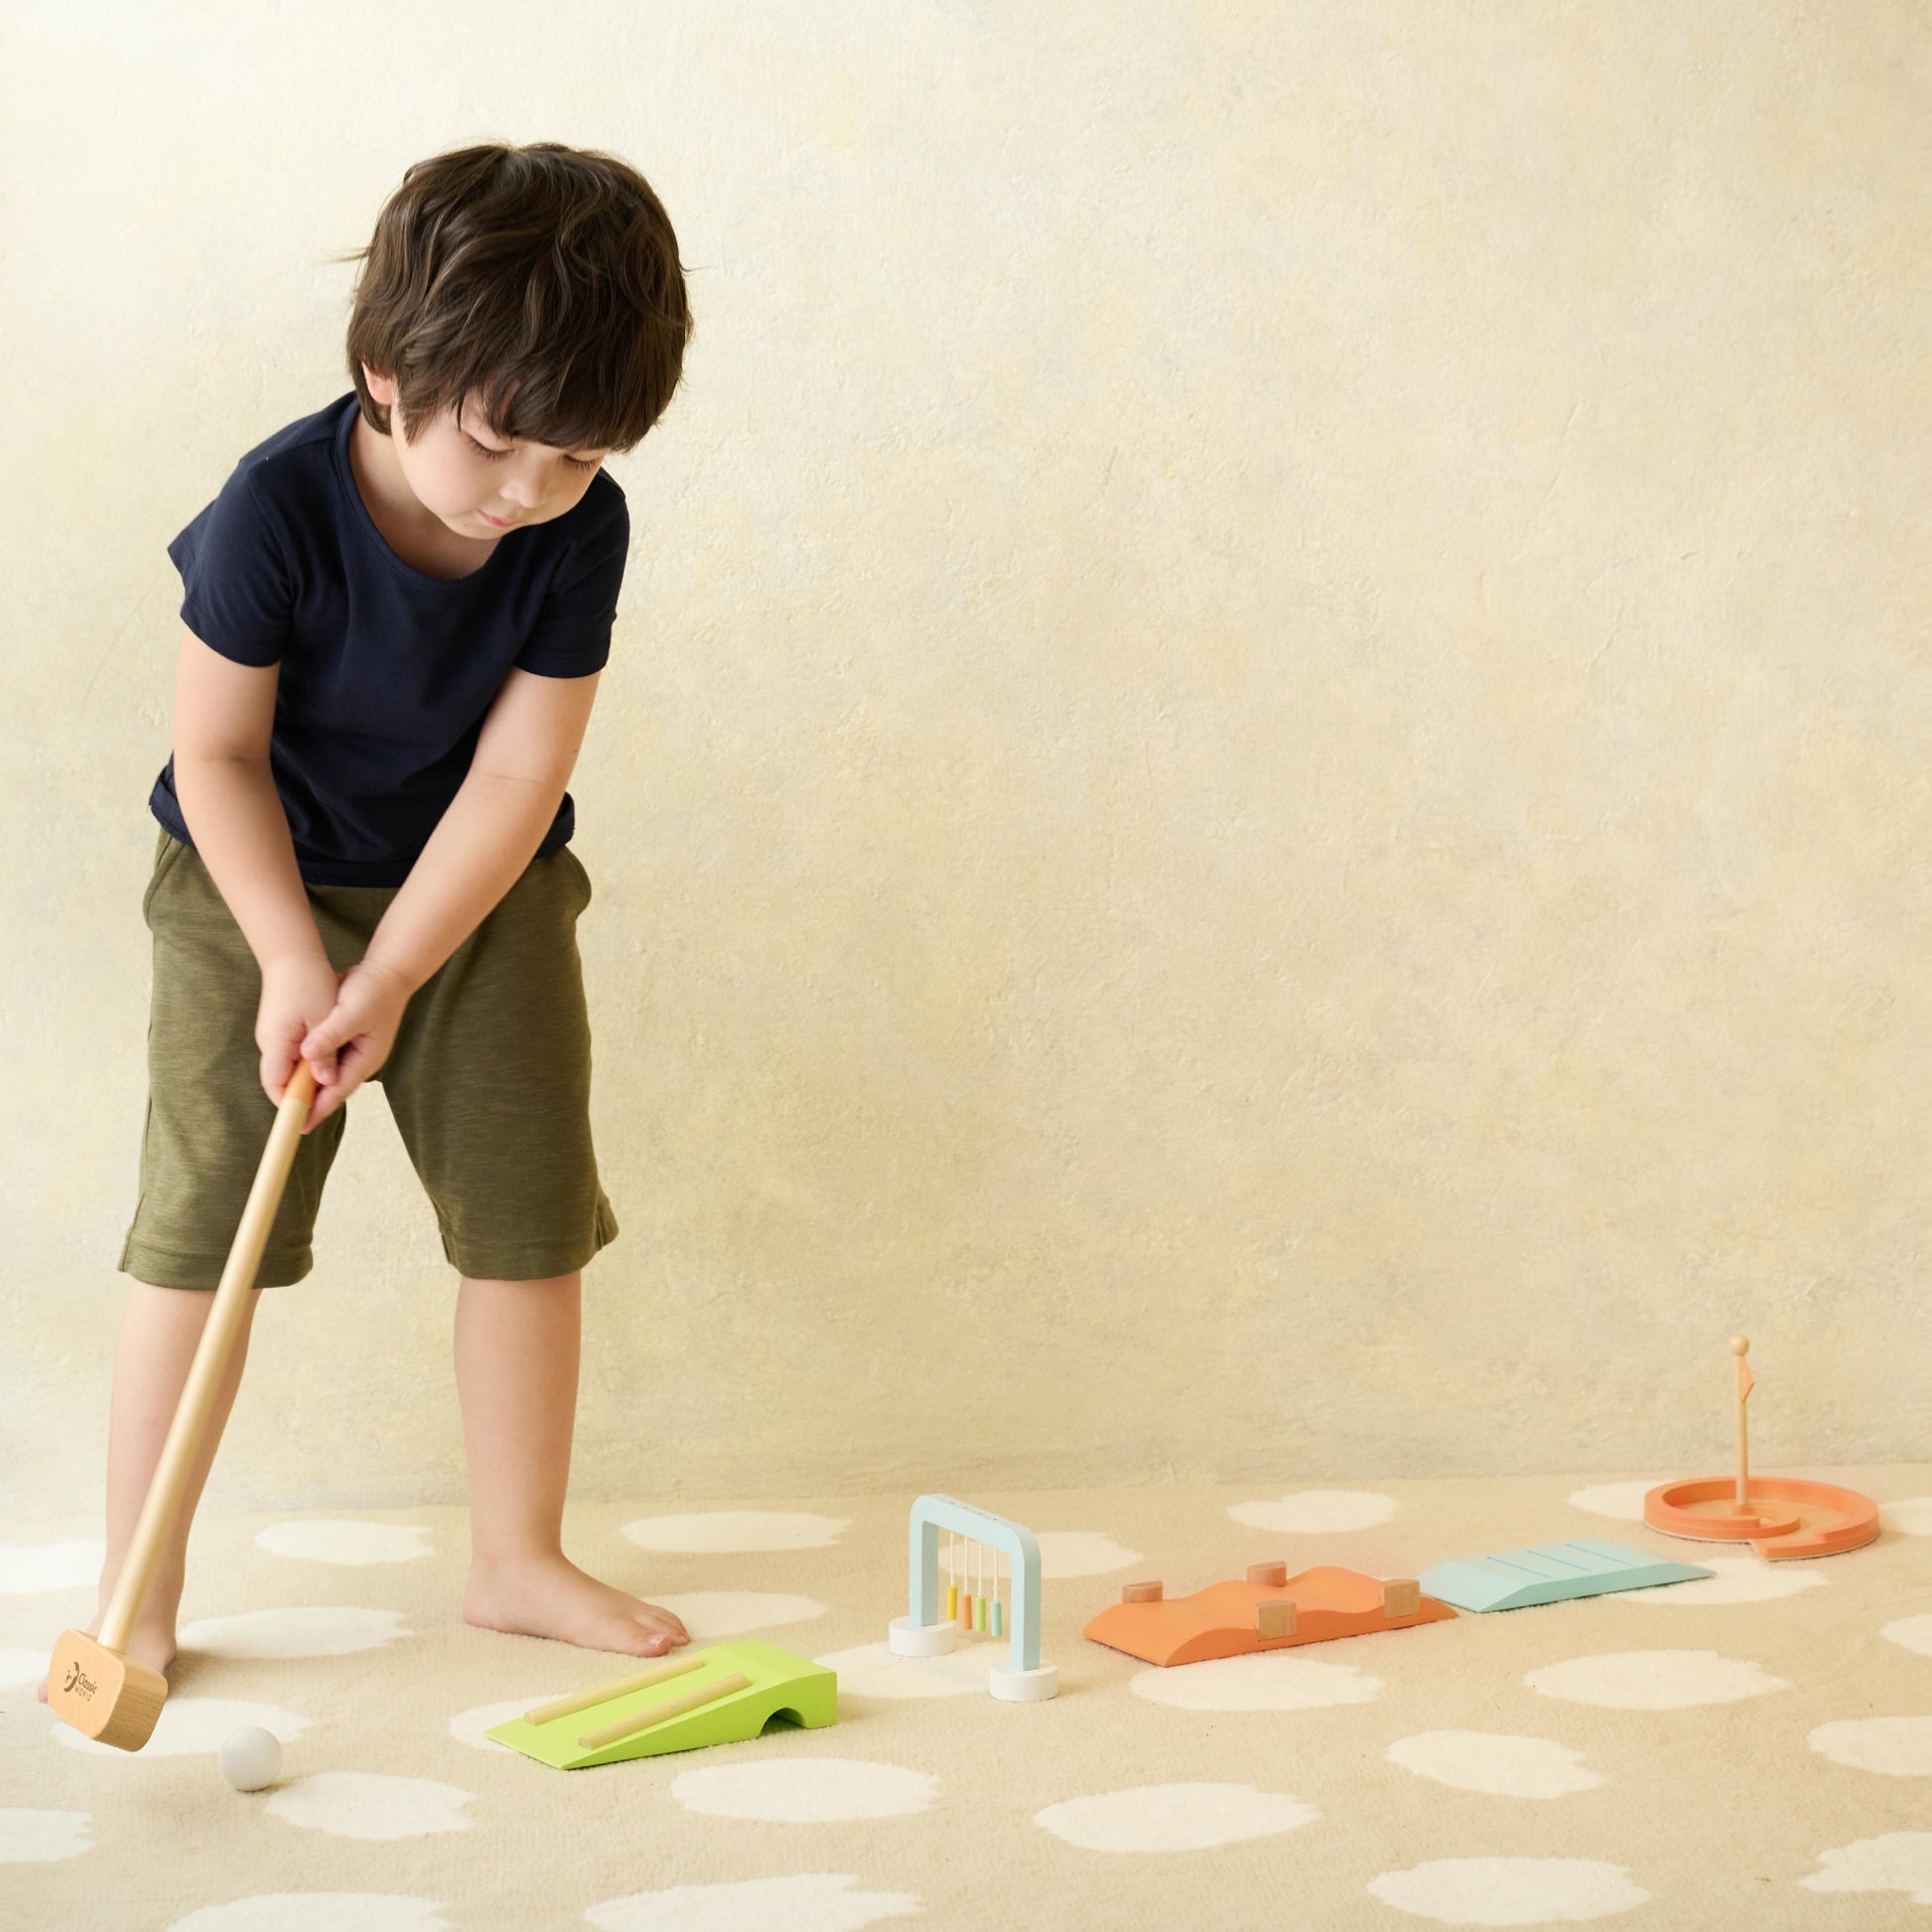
545,279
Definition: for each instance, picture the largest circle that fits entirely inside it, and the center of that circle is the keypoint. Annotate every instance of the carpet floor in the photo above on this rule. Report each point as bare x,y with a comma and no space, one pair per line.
1751,1751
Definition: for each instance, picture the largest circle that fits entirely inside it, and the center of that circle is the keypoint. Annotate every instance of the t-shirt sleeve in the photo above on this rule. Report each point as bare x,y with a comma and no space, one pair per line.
239,597
572,636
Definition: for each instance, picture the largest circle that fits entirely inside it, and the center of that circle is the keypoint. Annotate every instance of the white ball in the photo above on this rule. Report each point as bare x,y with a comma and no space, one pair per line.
251,1757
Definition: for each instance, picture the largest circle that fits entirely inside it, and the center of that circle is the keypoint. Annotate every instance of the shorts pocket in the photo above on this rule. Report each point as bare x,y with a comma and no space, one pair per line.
166,855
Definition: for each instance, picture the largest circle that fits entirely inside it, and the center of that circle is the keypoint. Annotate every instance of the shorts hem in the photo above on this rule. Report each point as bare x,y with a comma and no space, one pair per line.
533,1261
192,1267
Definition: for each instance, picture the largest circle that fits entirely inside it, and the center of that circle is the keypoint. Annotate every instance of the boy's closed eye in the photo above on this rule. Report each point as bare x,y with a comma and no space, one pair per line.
495,455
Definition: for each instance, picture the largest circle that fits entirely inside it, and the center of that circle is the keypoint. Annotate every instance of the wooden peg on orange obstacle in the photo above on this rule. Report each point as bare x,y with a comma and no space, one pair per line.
1275,1618
1778,1516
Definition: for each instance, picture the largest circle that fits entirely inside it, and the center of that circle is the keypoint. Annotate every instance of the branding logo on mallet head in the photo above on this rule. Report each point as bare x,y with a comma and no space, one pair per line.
79,1682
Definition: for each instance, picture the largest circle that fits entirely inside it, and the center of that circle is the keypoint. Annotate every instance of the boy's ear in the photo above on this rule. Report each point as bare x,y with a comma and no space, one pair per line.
383,387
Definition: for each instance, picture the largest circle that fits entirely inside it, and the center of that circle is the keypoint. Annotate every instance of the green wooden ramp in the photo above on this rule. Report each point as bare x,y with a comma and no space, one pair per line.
1548,1573
779,1685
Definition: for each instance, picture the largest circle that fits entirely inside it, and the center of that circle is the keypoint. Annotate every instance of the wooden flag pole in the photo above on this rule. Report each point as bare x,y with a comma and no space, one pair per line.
1741,1346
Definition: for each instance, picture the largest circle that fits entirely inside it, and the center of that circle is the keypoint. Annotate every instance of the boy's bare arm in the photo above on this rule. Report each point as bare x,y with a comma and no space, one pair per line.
223,714
480,846
492,827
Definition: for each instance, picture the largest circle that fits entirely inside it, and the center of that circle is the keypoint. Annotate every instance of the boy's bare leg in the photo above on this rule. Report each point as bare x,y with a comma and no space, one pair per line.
160,1330
516,1356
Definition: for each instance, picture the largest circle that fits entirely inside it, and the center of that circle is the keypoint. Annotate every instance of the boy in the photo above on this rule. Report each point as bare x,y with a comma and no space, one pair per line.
395,614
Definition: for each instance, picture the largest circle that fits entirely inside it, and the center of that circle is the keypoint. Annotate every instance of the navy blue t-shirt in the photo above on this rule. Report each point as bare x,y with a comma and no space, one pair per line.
386,672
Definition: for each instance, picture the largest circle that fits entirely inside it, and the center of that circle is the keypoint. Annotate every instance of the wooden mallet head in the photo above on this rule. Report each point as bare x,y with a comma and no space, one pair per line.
102,1693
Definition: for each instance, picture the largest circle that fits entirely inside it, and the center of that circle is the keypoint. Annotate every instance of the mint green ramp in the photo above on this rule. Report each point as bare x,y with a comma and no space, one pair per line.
794,1690
1546,1573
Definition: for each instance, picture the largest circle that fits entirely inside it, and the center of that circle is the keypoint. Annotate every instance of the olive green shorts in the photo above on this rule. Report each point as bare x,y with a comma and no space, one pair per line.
488,1082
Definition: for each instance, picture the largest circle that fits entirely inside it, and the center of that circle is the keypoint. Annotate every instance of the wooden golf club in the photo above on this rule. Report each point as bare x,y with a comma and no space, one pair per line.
91,1682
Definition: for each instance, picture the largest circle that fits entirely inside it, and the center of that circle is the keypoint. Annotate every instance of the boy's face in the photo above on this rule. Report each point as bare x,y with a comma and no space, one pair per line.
481,484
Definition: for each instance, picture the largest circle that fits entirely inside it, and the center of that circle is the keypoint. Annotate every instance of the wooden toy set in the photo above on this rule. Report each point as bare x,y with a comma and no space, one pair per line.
992,1590
732,1692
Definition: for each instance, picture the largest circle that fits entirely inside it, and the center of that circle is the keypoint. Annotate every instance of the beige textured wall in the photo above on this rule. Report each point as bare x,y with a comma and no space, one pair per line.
1263,802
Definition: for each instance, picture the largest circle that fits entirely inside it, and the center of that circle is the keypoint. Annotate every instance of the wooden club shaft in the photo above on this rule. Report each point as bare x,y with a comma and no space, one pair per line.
210,1362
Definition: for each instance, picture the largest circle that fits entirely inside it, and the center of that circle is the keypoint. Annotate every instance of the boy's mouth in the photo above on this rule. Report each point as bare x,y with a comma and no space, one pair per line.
501,523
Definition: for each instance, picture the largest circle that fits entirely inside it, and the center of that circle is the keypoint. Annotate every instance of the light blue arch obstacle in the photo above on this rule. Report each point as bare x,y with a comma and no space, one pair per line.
924,1633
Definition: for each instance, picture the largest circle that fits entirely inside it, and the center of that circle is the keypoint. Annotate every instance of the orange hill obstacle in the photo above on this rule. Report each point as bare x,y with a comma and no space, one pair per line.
1266,1610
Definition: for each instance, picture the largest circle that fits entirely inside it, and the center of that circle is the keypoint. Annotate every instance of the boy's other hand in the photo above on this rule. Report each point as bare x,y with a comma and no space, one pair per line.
354,1036
298,993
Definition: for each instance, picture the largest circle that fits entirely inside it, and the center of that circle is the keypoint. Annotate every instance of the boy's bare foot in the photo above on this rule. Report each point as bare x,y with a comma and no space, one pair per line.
549,1596
152,1643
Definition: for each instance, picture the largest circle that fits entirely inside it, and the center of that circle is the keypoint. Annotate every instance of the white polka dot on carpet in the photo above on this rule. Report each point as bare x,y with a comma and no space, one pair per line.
1910,1633
819,1901
1316,1512
310,1630
1898,1748
1652,1679
1620,1501
1510,1891
721,1531
1081,1553
1891,1861
468,1727
320,1911
1735,1580
371,1805
346,1543
1502,1766
1174,1817
32,1836
29,1568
